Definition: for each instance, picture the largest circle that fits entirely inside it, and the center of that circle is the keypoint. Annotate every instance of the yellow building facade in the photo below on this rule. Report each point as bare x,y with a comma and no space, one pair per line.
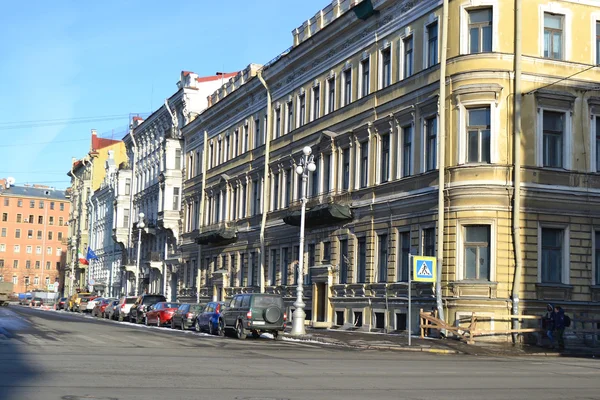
361,86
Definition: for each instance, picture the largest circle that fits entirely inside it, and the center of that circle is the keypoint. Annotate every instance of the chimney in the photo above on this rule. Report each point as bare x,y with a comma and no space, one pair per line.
3,184
136,121
94,132
188,79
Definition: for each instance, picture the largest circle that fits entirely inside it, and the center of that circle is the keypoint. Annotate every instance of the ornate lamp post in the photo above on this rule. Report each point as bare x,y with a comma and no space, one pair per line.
306,164
140,226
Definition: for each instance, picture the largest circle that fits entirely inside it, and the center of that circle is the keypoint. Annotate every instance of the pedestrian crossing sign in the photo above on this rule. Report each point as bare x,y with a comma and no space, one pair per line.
424,269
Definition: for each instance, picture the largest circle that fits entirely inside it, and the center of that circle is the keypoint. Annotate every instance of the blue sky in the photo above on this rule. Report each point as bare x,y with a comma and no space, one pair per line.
62,62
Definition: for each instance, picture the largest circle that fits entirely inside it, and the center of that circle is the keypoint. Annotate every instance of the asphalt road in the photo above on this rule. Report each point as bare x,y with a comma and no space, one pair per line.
57,355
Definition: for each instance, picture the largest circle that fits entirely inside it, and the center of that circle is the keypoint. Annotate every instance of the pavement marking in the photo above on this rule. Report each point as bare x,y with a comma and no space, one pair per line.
90,339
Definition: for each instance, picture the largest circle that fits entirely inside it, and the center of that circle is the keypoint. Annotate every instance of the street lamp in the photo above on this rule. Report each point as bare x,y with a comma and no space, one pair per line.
140,226
306,164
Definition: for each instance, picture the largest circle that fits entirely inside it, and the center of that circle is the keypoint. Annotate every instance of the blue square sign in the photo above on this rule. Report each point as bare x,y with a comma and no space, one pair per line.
424,269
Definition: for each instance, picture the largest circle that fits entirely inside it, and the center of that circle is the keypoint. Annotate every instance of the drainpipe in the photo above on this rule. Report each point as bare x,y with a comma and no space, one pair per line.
132,190
266,186
76,229
516,215
441,162
201,213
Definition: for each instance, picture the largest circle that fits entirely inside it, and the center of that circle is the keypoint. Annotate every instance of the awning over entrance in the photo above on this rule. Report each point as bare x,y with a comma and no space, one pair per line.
322,214
219,236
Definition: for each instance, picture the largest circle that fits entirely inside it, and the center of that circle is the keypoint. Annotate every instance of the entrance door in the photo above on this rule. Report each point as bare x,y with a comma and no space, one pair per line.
321,300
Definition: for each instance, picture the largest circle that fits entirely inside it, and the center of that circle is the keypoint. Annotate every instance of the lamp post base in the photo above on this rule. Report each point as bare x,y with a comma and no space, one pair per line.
298,322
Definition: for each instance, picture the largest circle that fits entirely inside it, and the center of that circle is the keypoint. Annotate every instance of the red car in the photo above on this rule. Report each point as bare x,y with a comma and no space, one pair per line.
161,313
98,310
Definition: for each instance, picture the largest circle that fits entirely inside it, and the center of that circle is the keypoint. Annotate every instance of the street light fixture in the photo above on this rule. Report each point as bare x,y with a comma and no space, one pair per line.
140,226
306,165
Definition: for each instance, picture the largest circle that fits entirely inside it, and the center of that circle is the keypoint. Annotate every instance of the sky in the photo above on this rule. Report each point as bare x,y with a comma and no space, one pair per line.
68,66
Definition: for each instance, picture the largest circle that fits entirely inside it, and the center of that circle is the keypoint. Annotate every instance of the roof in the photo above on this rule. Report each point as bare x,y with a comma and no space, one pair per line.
100,143
35,192
224,75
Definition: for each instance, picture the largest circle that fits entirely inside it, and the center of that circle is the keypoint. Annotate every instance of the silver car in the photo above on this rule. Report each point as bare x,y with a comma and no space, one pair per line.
109,311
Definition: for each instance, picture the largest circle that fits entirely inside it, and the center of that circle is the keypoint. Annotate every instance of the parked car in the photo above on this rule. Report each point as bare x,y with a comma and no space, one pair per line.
208,320
137,313
254,313
186,314
92,303
61,303
110,310
98,310
81,307
37,302
75,300
25,301
161,313
122,310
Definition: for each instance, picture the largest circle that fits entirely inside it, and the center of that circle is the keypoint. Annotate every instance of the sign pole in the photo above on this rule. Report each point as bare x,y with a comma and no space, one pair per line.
410,263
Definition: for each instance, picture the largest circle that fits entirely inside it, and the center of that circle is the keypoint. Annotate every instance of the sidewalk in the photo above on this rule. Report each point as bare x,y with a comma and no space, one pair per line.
399,342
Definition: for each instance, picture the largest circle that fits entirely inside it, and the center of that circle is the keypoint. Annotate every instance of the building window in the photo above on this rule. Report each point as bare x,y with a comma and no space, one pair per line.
126,218
47,280
30,234
1,263
361,273
552,255
480,30
326,173
290,117
60,236
52,205
326,256
15,279
3,232
301,110
477,252
430,143
364,164
553,36
285,262
384,167
50,235
346,169
344,261
4,217
553,123
41,219
50,220
19,218
316,102
478,135
277,122
38,249
403,265
245,139
31,203
386,67
288,187
30,220
365,77
227,149
62,207
347,92
243,200
41,204
406,150
236,145
15,263
17,233
597,123
275,191
428,245
17,248
330,95
61,221
37,264
19,203
314,182
127,186
175,198
49,250
432,44
407,45
382,261
273,270
256,196
257,136
597,42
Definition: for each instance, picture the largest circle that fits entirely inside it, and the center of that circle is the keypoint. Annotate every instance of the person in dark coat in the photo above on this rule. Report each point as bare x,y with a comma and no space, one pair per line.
548,322
558,322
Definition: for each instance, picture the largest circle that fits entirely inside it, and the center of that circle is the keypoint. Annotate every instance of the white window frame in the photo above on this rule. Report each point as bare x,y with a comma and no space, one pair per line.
400,150
556,8
463,113
460,253
568,133
330,78
364,60
430,20
343,102
299,121
565,275
424,141
421,246
398,248
385,47
313,109
408,33
470,5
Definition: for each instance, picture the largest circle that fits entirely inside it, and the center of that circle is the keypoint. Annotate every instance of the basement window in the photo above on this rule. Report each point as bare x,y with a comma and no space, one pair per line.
358,319
339,318
379,320
400,322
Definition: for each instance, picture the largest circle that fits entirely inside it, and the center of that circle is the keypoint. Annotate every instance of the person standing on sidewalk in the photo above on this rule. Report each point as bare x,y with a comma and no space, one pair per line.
548,323
559,326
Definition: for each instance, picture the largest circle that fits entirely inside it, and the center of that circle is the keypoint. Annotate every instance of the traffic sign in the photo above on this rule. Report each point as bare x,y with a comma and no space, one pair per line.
424,269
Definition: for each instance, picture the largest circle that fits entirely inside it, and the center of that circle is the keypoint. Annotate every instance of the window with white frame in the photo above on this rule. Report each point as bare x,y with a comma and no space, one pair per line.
384,158
326,173
407,140
275,201
288,190
364,164
245,139
597,42
428,242
480,30
236,142
408,57
347,86
554,254
257,135
344,261
365,77
289,119
176,194
553,36
476,252
431,42
226,149
382,260
301,109
402,263
430,140
478,135
256,196
277,122
361,265
553,138
330,95
316,102
386,67
346,169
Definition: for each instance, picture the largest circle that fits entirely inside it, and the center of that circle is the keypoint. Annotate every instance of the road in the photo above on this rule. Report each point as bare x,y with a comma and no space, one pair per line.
51,355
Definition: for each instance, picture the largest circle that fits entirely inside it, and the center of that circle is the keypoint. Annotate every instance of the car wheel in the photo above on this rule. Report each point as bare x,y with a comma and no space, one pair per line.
146,321
221,328
278,335
240,331
197,326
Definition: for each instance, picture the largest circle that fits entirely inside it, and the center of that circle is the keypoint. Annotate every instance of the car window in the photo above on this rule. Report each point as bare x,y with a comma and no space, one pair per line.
152,299
246,301
266,301
170,305
234,302
198,308
130,300
210,308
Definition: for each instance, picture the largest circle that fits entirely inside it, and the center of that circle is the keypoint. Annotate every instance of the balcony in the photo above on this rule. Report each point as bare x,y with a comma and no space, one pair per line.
120,235
153,256
320,215
217,234
169,219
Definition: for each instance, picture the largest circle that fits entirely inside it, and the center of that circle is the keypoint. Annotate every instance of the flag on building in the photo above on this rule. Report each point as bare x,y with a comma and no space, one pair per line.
82,259
90,254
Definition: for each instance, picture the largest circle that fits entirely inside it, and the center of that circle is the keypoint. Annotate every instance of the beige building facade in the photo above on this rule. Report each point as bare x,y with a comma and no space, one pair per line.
361,88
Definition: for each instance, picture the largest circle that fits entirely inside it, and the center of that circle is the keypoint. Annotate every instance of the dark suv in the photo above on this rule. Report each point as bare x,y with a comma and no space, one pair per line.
137,314
254,313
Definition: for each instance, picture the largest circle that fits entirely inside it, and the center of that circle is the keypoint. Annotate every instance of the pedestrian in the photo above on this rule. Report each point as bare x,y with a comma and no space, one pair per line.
559,326
548,323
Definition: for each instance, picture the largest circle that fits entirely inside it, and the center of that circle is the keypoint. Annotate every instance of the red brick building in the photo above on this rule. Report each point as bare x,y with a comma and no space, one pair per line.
33,236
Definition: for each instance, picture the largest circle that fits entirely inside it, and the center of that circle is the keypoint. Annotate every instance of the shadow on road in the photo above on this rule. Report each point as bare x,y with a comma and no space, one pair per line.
15,371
